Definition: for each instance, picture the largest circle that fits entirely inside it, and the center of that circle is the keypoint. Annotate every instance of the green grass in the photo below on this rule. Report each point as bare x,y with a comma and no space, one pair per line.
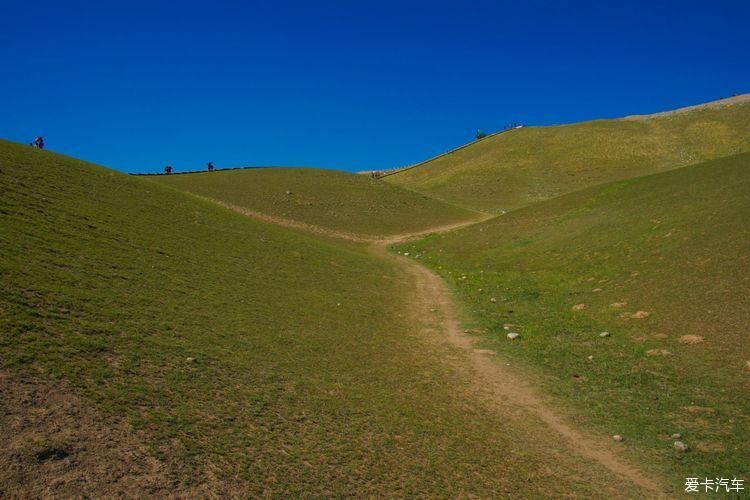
331,199
307,380
531,164
674,244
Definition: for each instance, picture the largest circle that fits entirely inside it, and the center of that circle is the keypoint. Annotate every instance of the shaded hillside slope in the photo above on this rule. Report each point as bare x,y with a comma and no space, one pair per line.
326,198
523,166
662,263
257,361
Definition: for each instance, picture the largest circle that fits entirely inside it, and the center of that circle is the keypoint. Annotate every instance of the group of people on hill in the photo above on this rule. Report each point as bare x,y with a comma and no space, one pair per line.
209,167
38,143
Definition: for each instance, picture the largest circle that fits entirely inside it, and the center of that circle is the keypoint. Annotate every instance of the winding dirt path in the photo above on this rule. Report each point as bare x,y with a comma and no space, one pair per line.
506,387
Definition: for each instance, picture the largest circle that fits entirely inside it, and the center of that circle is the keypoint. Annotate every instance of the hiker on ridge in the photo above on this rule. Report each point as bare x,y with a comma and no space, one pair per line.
39,142
168,169
210,166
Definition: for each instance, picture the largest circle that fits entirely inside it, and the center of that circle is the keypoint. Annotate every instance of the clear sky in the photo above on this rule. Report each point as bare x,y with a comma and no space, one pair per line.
346,84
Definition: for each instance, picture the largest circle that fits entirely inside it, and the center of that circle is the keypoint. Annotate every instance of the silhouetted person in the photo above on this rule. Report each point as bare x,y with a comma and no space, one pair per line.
210,166
39,142
168,169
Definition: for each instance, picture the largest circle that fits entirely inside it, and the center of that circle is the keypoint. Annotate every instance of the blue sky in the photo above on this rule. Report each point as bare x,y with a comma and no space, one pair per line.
346,84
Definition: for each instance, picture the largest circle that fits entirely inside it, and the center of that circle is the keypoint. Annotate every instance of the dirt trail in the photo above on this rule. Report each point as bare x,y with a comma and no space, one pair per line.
509,388
506,387
381,241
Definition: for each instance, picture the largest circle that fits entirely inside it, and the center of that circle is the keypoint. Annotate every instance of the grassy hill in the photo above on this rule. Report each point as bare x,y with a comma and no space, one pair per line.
331,199
662,263
253,360
531,164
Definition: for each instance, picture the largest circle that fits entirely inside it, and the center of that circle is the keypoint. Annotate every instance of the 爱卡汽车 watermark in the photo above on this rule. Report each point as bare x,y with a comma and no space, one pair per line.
713,485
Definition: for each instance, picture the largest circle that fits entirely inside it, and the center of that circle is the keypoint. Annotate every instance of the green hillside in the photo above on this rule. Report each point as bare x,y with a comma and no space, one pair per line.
660,262
331,199
531,164
252,360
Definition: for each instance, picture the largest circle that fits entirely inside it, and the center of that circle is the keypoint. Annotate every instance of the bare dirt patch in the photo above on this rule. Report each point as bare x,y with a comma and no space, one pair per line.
56,443
710,447
658,352
691,339
699,409
640,315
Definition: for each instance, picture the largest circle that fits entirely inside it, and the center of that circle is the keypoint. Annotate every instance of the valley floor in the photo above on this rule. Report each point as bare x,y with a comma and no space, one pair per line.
508,391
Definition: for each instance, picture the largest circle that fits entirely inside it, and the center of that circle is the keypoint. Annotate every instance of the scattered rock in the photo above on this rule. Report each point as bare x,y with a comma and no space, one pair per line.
680,446
590,358
618,438
493,300
288,192
406,254
579,307
640,314
676,435
658,352
604,334
691,339
506,328
579,378
513,335
709,447
190,360
635,273
618,305
596,290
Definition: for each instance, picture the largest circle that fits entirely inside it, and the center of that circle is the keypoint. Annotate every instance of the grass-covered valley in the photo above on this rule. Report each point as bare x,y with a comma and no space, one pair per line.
312,333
